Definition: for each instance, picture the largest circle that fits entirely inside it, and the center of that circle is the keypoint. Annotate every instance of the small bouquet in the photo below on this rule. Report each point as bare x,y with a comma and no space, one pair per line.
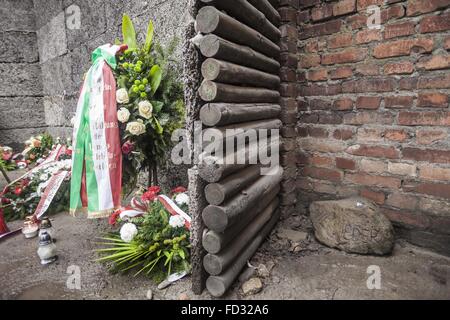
7,162
37,147
22,197
154,235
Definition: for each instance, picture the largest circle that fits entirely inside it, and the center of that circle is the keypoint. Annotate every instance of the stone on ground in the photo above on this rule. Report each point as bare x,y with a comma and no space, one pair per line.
252,286
353,225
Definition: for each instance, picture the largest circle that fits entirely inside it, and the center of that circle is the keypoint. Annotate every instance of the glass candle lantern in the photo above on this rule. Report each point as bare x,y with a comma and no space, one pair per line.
47,249
46,226
30,229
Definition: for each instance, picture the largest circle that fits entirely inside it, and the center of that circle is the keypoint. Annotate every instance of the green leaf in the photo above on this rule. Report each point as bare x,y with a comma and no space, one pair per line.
117,41
128,32
157,106
158,128
156,76
149,39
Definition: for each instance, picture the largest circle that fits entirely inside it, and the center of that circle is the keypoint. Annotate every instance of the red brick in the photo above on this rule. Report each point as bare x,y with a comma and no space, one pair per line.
435,100
426,137
391,13
321,145
322,12
407,219
288,75
308,60
398,102
347,164
435,23
346,56
357,21
321,29
424,118
376,196
330,118
343,134
288,60
343,104
373,166
323,174
367,134
341,73
408,83
319,161
312,46
447,43
370,180
303,17
433,189
405,67
368,69
319,104
416,7
428,155
307,3
436,82
374,151
362,4
399,30
428,172
368,85
402,201
317,132
288,90
340,40
368,118
396,135
402,48
402,169
288,14
317,75
435,62
344,7
366,36
368,102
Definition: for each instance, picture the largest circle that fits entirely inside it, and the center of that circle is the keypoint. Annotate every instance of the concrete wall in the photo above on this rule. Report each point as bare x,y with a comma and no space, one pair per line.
65,52
373,110
21,103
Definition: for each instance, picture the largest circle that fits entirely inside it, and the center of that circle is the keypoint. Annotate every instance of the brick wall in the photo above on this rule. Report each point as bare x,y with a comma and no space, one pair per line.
21,108
373,110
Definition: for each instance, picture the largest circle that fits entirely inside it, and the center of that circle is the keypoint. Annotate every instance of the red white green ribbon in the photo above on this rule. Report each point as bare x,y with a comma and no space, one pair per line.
50,192
96,182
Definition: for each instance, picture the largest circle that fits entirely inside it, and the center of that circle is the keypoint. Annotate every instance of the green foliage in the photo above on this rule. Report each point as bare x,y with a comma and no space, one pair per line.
148,73
128,32
156,248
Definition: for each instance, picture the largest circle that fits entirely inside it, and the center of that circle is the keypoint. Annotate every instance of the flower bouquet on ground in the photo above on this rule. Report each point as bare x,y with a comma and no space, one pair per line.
153,237
37,148
23,196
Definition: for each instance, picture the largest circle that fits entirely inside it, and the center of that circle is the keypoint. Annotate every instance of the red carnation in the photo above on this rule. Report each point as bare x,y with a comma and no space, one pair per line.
179,190
149,196
68,152
6,201
127,147
18,191
154,189
113,218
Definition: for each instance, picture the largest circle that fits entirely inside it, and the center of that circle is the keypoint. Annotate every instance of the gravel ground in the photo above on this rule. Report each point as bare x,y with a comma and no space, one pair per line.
305,271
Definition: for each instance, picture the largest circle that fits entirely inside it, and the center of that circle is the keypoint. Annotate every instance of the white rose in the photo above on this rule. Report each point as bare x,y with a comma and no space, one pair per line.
176,221
145,109
43,177
122,96
182,198
136,128
128,232
123,115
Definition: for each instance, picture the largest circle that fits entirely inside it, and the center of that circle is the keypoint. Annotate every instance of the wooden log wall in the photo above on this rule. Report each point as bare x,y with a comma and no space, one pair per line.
240,45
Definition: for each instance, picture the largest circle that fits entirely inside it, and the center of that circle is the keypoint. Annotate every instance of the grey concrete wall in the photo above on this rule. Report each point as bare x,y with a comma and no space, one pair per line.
65,52
21,101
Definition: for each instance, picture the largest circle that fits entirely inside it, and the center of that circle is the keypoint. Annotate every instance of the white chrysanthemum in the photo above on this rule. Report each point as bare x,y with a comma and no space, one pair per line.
122,96
176,221
128,232
182,198
43,177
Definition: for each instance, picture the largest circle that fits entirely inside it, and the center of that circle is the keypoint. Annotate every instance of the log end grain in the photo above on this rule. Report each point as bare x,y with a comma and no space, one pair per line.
215,286
210,45
207,19
215,218
214,194
212,264
208,91
210,115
